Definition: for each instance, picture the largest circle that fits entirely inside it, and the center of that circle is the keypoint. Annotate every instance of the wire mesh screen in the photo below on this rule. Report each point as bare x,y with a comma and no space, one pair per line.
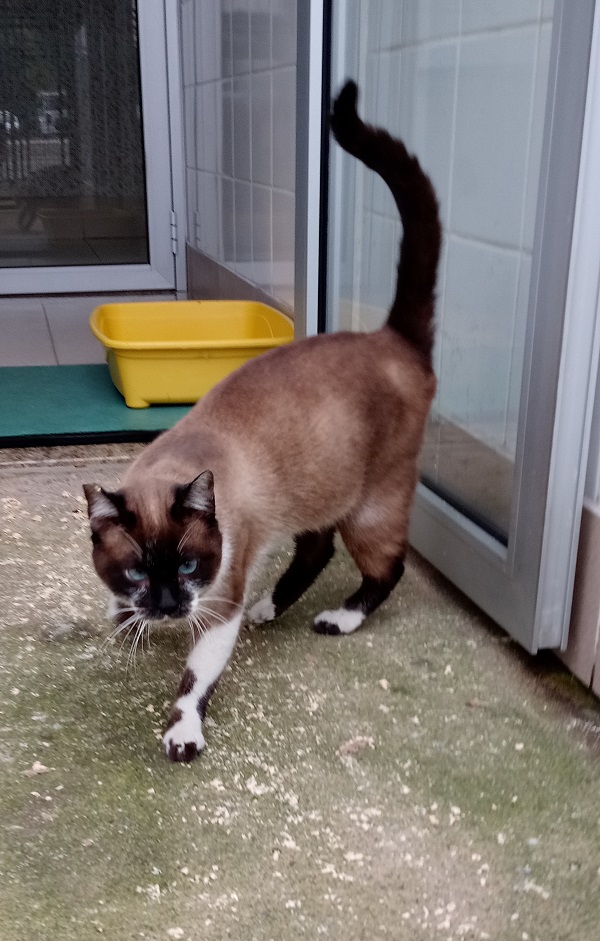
72,189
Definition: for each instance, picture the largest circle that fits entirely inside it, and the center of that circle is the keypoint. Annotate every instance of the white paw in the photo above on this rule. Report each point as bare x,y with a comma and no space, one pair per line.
341,621
263,610
184,740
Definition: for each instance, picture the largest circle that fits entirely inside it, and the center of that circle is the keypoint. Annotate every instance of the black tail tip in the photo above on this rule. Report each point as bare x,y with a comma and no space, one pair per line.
344,113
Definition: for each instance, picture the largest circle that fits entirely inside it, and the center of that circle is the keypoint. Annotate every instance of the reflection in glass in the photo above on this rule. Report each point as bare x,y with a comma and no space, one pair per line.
72,188
465,86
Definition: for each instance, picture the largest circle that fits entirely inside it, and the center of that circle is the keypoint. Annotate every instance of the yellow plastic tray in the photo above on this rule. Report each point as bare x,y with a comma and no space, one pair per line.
175,351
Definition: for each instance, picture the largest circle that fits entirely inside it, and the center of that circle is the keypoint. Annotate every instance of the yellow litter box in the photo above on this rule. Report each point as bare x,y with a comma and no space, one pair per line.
175,351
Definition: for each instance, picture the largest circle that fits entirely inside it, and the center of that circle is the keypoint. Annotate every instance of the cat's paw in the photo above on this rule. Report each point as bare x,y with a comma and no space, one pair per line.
263,610
342,621
183,739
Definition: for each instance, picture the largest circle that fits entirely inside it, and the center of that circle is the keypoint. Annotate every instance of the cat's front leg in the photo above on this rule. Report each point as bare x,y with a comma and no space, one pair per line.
183,739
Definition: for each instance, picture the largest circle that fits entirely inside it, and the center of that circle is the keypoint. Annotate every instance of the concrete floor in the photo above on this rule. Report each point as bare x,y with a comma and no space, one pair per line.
422,778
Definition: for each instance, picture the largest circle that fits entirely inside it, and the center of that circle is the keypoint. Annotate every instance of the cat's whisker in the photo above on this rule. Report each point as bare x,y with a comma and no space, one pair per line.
132,649
199,624
192,631
144,635
205,622
209,598
124,641
132,616
122,609
130,656
193,620
209,613
134,543
122,603
119,612
209,618
132,628
131,659
206,606
119,630
187,535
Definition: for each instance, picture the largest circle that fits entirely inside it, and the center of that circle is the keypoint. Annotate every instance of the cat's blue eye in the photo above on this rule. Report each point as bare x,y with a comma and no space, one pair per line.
136,575
186,568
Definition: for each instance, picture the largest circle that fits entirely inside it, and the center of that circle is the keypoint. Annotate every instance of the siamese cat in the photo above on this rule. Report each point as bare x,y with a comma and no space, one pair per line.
310,438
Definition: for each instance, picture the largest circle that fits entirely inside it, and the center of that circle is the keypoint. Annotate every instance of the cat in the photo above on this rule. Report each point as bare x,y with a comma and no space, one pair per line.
317,436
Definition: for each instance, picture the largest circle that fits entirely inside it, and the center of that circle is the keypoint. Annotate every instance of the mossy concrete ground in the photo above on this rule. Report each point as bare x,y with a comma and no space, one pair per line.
421,778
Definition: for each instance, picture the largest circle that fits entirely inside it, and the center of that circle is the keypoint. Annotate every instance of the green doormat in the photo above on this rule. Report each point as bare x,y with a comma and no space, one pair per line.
66,404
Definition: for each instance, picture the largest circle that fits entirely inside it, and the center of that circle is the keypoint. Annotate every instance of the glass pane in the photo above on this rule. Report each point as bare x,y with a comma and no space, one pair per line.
240,136
464,84
72,188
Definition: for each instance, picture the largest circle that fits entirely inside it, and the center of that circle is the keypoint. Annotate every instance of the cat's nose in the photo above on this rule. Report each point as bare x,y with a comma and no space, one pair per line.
167,603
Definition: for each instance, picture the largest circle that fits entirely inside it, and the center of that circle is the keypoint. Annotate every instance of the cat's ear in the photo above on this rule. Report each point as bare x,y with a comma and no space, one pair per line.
106,506
197,496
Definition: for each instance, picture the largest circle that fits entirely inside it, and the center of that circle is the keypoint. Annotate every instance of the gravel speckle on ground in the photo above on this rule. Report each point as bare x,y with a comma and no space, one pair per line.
422,778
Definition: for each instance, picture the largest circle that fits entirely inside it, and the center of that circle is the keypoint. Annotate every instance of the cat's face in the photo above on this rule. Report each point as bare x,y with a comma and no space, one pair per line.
157,557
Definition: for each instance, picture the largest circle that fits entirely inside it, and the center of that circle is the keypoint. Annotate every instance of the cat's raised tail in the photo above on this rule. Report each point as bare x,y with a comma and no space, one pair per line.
412,311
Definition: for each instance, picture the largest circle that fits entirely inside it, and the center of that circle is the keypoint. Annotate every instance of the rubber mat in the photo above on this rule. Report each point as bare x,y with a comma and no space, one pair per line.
62,404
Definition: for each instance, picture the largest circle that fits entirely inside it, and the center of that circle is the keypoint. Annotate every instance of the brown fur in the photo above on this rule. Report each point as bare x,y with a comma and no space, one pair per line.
323,434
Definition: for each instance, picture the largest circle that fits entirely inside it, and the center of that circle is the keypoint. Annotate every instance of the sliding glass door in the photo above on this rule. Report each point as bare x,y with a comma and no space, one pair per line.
492,98
85,166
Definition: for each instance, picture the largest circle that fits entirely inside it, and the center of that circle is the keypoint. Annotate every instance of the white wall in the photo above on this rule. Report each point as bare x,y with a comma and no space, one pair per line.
239,76
463,82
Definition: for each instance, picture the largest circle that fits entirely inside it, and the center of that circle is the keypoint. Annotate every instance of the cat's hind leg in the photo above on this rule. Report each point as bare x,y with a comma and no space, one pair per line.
377,543
313,551
372,592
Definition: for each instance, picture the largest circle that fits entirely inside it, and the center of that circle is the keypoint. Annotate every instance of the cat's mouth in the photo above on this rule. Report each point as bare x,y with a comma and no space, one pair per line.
175,615
122,610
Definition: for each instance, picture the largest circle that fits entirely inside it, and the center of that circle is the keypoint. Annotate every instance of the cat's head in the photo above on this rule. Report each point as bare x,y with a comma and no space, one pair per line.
157,551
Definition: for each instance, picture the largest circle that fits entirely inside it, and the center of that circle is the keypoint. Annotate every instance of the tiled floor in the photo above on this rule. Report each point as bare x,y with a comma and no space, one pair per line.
54,331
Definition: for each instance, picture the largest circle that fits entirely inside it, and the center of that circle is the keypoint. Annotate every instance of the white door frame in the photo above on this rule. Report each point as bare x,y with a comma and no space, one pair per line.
165,193
309,121
176,139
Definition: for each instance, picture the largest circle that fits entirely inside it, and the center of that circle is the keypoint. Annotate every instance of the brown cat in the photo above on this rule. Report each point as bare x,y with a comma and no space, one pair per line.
320,435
